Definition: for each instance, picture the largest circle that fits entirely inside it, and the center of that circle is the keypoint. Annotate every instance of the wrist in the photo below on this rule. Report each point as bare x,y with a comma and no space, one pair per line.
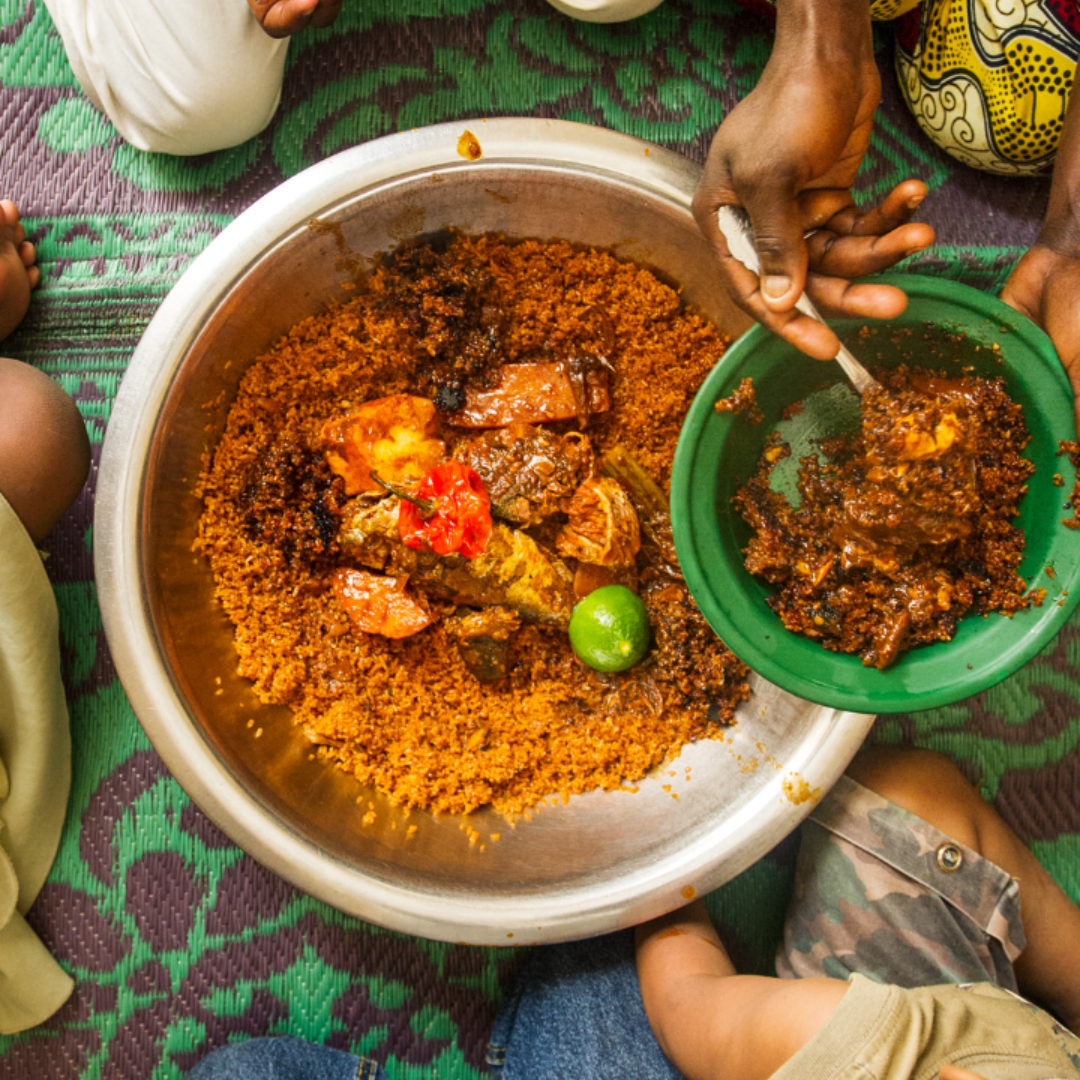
832,31
1060,233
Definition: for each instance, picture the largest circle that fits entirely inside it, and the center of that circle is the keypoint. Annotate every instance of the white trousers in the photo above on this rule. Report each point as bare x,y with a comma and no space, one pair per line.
605,11
175,76
193,76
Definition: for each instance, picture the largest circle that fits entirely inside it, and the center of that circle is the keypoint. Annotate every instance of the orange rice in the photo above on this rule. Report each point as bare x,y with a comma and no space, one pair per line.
405,716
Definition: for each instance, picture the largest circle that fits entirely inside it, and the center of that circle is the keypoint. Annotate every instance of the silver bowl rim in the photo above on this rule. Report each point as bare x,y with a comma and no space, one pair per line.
518,141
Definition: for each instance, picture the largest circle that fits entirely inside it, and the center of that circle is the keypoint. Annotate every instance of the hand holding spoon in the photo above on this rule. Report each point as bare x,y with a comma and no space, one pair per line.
735,225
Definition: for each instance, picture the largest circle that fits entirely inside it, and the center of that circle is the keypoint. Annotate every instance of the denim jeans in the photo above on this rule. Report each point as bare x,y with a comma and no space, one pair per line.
575,1010
283,1057
572,1011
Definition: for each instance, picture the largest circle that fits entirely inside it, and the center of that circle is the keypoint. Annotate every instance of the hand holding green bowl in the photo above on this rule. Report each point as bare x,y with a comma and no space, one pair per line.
718,452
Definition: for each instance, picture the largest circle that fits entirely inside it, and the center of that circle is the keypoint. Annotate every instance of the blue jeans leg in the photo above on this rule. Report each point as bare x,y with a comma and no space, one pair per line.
283,1058
575,1010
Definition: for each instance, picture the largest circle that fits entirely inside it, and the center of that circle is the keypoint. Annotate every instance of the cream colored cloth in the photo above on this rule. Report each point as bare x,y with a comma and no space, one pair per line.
35,774
175,76
881,1032
605,11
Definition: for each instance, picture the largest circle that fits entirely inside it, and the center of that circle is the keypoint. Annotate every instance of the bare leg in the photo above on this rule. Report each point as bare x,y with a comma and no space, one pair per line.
44,451
18,274
933,788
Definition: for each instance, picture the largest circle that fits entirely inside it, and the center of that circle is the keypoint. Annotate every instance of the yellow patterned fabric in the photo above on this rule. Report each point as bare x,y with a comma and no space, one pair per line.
989,80
884,10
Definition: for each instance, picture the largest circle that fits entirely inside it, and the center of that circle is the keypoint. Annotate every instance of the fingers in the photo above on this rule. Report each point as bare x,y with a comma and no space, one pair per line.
805,334
856,255
744,286
835,299
1058,315
851,243
1045,287
280,18
839,299
895,209
326,13
778,236
29,259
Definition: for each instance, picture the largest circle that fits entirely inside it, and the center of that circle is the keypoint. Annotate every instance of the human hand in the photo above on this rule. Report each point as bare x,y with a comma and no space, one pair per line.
280,18
1045,286
789,153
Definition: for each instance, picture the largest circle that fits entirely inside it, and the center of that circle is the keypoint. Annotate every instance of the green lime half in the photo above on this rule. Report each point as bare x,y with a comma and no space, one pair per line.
609,628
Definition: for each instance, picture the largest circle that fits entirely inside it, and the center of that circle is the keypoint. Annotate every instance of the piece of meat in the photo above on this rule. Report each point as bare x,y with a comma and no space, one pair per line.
527,471
603,525
512,571
531,394
380,605
483,639
395,437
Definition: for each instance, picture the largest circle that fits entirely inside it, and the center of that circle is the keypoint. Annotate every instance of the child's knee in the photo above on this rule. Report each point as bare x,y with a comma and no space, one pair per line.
201,123
44,450
926,784
180,79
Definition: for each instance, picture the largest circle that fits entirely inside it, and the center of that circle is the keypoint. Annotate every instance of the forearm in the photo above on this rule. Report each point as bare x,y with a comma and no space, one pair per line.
1061,227
830,30
674,954
711,1021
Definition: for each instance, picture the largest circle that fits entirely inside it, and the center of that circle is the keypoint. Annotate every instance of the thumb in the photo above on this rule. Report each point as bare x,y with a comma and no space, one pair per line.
778,236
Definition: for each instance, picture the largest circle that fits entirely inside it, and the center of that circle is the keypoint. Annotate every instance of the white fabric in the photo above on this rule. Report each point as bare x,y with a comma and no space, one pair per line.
605,11
35,751
175,76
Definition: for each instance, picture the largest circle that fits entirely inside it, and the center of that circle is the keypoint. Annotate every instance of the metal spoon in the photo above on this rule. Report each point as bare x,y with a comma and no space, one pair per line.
735,225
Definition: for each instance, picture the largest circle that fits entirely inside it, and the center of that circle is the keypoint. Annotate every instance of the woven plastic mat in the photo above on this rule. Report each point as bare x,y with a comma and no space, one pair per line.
178,941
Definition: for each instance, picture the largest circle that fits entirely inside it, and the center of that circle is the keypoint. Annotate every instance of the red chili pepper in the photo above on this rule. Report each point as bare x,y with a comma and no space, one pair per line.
460,519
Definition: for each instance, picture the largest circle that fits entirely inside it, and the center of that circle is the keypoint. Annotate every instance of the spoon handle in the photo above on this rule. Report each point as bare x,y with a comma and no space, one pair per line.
860,378
735,225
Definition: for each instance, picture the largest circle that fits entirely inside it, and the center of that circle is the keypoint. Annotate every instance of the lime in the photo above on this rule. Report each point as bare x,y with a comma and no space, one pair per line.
609,628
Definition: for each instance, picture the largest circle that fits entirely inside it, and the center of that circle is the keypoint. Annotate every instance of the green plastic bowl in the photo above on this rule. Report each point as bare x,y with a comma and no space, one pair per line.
946,325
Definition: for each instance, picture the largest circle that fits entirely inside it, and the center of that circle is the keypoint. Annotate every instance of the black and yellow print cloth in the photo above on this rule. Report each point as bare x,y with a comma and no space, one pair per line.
988,80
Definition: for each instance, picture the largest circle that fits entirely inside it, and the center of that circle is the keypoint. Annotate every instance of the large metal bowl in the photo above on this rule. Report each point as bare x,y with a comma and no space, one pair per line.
603,861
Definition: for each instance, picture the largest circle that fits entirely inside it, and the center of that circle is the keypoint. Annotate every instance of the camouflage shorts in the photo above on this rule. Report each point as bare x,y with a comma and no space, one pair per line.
881,892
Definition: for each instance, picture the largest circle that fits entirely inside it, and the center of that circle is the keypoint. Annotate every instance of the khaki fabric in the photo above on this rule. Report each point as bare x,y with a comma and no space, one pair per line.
881,1032
35,774
883,893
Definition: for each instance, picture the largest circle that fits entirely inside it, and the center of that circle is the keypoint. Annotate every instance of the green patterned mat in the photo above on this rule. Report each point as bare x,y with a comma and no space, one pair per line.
178,941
